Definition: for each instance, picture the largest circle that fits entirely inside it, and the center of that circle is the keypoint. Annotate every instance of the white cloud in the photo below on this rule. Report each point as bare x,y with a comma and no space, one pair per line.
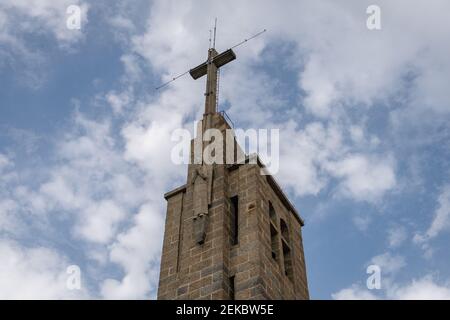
113,206
61,193
24,19
100,221
133,70
345,63
314,154
422,289
122,23
8,220
138,250
303,153
31,16
117,101
389,263
311,157
34,273
364,178
441,219
4,162
96,178
439,224
416,289
362,222
144,138
396,236
354,293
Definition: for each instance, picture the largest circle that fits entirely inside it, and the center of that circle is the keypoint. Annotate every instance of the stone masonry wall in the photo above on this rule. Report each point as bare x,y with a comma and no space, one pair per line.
193,271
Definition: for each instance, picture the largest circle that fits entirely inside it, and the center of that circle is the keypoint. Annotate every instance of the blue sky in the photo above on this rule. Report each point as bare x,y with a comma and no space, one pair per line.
85,139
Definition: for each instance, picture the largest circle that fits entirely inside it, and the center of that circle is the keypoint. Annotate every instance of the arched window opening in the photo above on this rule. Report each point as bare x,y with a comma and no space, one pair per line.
284,230
286,245
273,233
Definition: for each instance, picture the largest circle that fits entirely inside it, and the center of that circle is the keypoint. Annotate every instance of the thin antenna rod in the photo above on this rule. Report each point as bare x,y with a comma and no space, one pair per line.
209,39
245,40
215,27
173,79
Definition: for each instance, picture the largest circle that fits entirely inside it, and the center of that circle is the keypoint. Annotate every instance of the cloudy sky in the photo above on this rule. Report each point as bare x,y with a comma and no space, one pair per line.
85,139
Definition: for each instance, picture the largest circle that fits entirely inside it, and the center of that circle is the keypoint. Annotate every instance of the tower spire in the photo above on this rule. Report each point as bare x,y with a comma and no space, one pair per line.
210,69
211,83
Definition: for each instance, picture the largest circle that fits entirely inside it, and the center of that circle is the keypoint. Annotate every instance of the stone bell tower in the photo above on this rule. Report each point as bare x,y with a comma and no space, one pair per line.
230,232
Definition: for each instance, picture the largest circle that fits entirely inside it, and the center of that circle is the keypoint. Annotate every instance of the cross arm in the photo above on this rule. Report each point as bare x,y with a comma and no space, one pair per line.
198,71
219,61
224,58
